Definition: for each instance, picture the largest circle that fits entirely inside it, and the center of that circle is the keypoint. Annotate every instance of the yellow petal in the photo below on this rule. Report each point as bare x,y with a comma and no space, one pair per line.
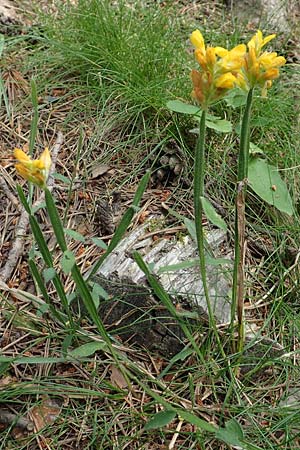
46,159
210,56
220,51
197,40
226,81
201,58
271,74
21,156
268,39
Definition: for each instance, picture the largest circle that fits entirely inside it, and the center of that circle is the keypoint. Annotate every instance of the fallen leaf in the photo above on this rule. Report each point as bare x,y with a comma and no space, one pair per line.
45,413
117,378
98,170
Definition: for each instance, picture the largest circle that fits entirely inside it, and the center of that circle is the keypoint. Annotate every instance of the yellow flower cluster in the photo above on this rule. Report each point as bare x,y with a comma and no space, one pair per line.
223,69
36,170
260,68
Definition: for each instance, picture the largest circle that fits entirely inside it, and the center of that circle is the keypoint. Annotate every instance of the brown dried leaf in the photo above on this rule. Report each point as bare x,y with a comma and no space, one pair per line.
45,414
117,378
98,170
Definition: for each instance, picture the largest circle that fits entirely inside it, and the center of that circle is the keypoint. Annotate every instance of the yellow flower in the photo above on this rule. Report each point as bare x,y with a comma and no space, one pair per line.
226,81
36,170
261,68
219,70
258,42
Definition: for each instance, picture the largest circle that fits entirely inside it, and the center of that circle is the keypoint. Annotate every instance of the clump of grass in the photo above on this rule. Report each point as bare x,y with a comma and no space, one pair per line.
134,52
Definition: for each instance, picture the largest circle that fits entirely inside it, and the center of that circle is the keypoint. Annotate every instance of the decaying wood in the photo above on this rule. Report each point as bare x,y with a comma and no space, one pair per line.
21,229
183,283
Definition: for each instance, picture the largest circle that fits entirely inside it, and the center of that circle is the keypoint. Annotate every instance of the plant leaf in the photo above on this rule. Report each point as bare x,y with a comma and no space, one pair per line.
61,177
190,226
161,419
49,274
74,235
222,125
202,424
87,349
99,242
186,108
232,434
265,181
212,214
236,98
67,261
182,265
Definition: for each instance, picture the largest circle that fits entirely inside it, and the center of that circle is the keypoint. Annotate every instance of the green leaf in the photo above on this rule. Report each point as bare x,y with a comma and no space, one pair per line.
23,199
61,177
38,207
184,108
232,434
74,235
49,274
255,150
98,291
99,243
191,418
217,261
67,261
212,214
55,220
160,420
190,226
222,125
182,265
265,181
71,297
87,349
236,98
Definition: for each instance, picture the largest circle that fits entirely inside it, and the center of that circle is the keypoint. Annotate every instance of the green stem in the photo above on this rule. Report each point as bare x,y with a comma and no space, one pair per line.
237,304
199,171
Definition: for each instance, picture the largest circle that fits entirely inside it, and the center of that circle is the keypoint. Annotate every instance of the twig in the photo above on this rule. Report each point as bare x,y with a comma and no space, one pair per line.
21,230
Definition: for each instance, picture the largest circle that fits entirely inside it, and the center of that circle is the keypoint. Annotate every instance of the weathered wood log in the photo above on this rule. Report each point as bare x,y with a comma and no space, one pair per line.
135,314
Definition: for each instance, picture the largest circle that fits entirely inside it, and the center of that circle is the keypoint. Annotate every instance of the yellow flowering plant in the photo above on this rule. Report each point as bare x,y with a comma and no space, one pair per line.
36,171
220,71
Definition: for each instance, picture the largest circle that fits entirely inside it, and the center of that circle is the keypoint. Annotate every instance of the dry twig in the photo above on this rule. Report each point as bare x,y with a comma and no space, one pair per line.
21,229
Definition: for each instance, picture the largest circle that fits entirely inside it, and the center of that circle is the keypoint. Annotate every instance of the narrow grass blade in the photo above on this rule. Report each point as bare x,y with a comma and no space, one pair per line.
55,221
34,122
